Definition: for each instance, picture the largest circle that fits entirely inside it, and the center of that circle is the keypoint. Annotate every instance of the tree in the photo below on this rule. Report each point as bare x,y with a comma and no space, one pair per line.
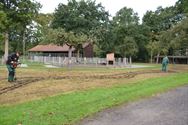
80,17
125,25
81,20
182,6
60,36
18,15
104,39
142,39
128,47
152,48
2,20
75,40
179,36
160,21
44,20
2,27
126,17
39,31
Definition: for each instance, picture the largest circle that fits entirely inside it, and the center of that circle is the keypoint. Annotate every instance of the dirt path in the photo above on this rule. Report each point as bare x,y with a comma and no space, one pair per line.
170,108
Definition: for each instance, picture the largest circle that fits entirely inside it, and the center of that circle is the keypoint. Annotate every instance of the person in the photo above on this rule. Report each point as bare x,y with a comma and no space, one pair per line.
12,63
165,62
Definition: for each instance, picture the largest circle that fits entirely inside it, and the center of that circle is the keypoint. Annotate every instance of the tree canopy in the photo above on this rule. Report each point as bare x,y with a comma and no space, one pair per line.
163,31
80,17
17,14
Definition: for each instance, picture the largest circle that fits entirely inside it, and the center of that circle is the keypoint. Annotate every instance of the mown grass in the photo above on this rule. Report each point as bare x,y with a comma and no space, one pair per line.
70,108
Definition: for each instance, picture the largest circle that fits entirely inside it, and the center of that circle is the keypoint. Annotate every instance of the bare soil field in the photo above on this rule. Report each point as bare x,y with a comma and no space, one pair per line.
35,84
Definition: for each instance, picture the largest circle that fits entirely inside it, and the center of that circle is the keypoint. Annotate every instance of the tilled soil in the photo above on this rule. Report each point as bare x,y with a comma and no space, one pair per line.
35,84
27,80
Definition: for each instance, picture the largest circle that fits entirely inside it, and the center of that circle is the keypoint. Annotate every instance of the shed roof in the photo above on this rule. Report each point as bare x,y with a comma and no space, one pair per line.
50,48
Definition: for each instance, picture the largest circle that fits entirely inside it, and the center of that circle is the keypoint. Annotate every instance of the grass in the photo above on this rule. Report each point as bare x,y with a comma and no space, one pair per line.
70,108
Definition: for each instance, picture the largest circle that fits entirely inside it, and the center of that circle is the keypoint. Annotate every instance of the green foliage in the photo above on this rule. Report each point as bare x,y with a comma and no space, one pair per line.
128,47
17,14
60,36
161,23
42,34
182,6
179,36
70,108
2,20
76,22
80,17
105,40
124,26
53,36
44,19
142,39
82,21
126,17
162,19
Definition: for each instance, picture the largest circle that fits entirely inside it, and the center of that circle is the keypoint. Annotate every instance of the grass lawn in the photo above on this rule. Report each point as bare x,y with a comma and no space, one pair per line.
70,108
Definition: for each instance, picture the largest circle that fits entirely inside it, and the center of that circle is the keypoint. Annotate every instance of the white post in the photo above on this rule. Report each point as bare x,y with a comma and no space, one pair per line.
124,61
130,61
84,60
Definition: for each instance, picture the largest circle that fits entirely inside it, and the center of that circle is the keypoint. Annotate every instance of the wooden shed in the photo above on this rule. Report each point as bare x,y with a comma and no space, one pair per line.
110,58
56,50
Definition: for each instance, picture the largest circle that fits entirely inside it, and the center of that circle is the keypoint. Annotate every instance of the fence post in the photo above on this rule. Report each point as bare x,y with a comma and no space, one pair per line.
125,61
85,60
119,61
130,61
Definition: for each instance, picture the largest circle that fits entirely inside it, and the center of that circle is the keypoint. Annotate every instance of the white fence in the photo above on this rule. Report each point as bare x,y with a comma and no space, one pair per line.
64,61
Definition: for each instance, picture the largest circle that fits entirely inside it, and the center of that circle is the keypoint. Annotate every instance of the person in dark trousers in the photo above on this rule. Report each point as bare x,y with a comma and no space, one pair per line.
12,63
165,62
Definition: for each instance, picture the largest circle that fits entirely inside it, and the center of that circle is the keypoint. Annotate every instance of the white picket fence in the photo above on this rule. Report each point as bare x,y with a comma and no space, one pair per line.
64,61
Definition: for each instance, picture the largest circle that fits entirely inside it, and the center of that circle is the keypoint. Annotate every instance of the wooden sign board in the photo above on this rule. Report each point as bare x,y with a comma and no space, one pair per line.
110,57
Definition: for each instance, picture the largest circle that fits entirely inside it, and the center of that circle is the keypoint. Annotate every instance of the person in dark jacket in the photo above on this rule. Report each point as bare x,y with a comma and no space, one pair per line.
12,63
165,62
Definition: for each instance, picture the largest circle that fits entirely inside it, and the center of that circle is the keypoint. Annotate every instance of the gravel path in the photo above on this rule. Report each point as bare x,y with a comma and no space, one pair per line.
170,108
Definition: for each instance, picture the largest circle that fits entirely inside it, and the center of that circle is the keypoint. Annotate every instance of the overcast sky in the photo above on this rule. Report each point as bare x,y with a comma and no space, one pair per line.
139,6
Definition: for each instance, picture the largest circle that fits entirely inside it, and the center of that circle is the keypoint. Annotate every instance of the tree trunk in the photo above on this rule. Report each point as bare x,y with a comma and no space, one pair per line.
69,56
24,49
78,55
157,61
151,59
6,45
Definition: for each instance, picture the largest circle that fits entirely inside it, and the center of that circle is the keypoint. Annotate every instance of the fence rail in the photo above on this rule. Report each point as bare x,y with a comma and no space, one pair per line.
64,61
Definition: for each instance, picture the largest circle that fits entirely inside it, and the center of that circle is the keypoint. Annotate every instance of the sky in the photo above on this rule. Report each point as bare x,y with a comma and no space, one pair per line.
112,6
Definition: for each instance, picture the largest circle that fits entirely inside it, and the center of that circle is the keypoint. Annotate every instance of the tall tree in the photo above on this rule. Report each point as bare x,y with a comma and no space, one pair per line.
44,33
60,36
125,25
159,22
178,37
126,17
80,17
2,27
18,15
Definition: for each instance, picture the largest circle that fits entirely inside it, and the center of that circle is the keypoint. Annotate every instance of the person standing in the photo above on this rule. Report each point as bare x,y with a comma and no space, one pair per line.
165,62
11,64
